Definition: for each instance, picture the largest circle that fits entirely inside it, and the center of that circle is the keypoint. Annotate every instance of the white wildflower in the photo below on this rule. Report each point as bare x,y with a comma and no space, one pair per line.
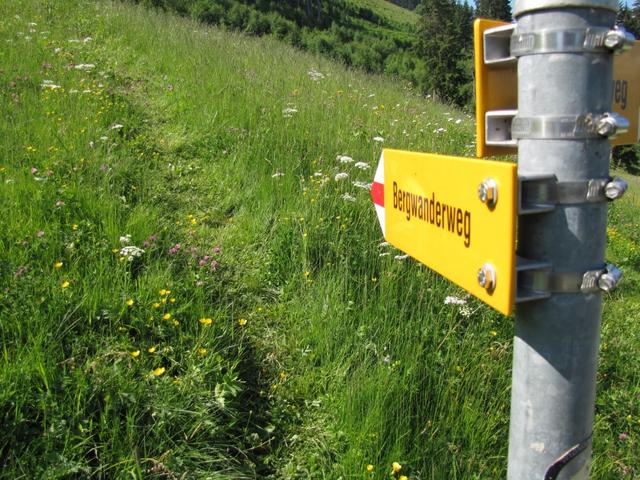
458,121
341,176
362,165
85,67
125,239
315,75
115,126
378,139
348,198
289,111
317,174
452,300
131,252
359,184
384,244
466,311
49,84
401,257
277,174
384,254
57,50
86,39
344,159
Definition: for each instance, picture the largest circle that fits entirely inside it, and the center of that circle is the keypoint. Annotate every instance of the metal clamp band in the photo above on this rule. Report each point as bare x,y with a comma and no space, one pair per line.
560,41
569,127
560,127
537,280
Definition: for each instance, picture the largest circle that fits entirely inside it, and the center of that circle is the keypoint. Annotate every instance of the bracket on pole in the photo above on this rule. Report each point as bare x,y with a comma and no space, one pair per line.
541,193
536,280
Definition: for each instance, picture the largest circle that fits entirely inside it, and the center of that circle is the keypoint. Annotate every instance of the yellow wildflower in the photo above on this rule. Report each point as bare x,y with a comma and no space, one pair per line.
151,350
172,300
135,354
403,477
166,316
395,467
58,265
493,333
176,323
74,226
159,371
65,284
156,305
130,302
370,468
202,351
163,292
242,322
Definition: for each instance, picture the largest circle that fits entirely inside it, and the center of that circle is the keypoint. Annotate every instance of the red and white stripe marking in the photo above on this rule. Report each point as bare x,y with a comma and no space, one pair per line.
377,193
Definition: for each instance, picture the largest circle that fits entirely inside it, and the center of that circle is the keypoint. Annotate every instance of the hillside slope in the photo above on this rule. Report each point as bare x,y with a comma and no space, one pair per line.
195,284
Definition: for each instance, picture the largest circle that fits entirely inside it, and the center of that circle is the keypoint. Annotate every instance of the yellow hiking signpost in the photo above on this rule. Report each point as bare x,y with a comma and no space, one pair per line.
455,215
496,88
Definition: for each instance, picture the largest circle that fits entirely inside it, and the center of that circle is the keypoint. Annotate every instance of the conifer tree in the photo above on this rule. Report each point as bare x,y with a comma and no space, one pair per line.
495,9
443,44
634,25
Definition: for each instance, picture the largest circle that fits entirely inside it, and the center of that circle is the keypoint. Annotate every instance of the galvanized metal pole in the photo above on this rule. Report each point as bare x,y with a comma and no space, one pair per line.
564,88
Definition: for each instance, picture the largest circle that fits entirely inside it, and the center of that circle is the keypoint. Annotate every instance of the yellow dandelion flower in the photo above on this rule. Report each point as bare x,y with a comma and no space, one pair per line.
395,467
115,250
151,349
65,284
166,316
176,323
159,371
242,322
163,292
403,477
130,302
74,226
58,265
202,351
172,300
206,321
493,333
156,305
135,353
370,468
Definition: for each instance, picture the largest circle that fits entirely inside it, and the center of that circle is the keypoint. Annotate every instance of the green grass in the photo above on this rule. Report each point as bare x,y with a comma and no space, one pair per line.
324,353
390,10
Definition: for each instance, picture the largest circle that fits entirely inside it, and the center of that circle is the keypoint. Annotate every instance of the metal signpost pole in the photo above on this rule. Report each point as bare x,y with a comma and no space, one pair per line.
564,50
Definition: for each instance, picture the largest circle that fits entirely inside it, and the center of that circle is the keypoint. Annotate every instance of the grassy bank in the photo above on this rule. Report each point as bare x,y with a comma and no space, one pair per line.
192,287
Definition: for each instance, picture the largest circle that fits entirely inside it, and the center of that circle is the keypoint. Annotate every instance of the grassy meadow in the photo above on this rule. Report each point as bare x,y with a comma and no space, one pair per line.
194,283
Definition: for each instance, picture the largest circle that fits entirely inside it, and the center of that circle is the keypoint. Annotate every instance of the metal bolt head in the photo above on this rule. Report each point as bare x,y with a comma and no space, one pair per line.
615,188
611,125
606,126
488,192
609,280
487,277
619,39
